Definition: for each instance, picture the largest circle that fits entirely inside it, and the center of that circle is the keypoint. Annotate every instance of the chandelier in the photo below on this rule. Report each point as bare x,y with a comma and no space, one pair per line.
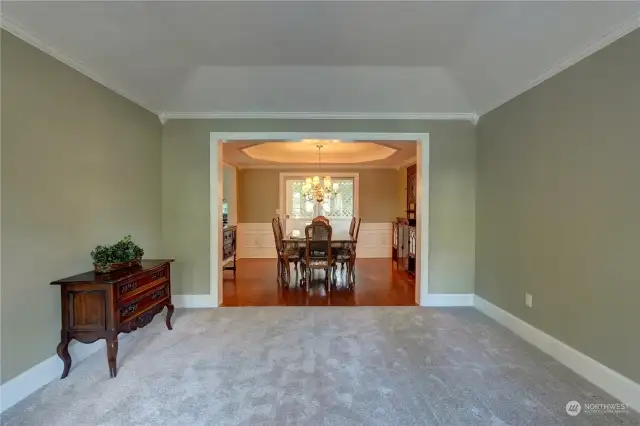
317,188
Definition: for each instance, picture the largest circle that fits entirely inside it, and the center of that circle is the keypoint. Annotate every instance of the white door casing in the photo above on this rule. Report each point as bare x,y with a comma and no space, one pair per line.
215,179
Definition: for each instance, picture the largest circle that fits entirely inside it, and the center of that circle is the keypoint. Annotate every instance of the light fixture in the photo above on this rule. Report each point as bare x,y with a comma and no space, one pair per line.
321,141
317,188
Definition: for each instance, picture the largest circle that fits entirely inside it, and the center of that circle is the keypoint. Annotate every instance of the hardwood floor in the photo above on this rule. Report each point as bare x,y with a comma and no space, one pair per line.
377,284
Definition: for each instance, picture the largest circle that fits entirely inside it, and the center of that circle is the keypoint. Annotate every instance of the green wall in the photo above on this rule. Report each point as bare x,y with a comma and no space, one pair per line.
80,167
185,186
558,206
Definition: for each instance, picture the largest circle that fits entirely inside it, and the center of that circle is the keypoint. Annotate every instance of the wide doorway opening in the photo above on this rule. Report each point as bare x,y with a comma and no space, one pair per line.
262,182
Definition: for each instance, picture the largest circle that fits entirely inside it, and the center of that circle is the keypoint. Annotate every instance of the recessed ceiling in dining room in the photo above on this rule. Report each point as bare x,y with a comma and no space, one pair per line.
306,152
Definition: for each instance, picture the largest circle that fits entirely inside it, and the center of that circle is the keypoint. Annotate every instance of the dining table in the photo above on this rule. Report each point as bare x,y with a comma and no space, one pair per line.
297,241
340,239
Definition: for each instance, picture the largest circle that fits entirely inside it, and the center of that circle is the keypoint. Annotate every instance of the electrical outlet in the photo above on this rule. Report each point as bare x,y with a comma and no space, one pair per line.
277,211
528,300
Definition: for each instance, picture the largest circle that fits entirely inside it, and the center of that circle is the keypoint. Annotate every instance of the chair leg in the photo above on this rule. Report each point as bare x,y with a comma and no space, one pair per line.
327,278
288,269
351,272
280,271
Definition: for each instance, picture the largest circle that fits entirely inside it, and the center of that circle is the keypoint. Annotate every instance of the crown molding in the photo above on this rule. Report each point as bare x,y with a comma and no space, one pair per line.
590,48
29,37
472,117
327,167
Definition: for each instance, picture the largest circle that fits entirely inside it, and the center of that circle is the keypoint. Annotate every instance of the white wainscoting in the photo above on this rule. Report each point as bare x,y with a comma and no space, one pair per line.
374,240
255,241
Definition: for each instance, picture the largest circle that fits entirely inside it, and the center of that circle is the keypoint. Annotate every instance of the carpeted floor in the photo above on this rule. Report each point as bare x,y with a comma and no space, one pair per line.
319,366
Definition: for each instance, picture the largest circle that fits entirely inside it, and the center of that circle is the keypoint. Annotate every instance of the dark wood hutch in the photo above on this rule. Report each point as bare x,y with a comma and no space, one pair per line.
404,239
229,238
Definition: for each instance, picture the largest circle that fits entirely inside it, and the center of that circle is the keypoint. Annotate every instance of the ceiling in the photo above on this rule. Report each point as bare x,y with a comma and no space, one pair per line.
304,154
320,58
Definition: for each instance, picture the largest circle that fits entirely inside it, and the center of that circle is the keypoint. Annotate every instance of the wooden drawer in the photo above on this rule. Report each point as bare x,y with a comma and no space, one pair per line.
134,286
138,305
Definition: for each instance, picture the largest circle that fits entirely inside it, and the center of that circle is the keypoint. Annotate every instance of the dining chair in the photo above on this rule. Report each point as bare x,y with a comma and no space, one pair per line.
294,254
318,251
352,226
285,255
351,269
322,218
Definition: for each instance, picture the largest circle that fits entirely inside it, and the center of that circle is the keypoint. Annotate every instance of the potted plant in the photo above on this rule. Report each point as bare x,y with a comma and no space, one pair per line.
123,254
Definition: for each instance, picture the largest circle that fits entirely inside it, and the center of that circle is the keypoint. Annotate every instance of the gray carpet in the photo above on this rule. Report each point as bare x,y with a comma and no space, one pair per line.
319,366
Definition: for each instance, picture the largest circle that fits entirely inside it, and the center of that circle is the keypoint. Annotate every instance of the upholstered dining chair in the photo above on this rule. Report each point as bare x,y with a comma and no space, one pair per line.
318,251
285,254
351,270
322,218
343,255
352,226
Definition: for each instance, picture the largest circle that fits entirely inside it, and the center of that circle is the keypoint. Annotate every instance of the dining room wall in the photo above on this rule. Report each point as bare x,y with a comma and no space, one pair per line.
185,197
259,198
258,192
230,192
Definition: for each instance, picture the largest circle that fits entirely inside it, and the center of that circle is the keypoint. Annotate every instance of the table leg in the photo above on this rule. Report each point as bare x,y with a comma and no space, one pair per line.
63,353
170,310
112,355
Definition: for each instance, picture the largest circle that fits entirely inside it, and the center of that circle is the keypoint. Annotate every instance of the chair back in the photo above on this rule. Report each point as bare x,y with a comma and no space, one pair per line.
355,235
277,234
357,232
321,219
352,227
318,242
281,226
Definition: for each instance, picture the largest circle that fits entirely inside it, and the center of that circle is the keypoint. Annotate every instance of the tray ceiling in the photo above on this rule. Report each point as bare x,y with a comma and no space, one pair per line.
199,59
276,154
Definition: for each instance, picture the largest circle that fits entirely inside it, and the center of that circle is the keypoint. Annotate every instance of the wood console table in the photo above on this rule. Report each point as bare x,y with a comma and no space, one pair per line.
100,306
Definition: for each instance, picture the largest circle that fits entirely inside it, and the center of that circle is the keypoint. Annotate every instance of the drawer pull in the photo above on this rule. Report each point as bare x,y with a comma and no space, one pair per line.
157,275
157,294
125,312
126,288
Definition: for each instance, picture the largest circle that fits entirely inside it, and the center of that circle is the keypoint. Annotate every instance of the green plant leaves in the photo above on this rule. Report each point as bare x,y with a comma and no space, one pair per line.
124,250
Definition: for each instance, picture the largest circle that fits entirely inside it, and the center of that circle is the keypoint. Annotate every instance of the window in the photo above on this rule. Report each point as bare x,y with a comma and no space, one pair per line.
341,206
299,207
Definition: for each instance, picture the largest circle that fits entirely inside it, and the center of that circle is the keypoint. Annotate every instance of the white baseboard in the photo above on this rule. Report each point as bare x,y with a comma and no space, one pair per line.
193,301
23,385
621,387
442,300
255,241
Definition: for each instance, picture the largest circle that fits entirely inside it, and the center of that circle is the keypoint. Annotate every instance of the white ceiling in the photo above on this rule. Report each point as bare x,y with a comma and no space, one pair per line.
304,154
451,59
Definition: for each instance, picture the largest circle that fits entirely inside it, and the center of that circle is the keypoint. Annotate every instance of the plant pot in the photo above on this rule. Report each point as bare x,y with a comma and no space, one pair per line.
110,267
